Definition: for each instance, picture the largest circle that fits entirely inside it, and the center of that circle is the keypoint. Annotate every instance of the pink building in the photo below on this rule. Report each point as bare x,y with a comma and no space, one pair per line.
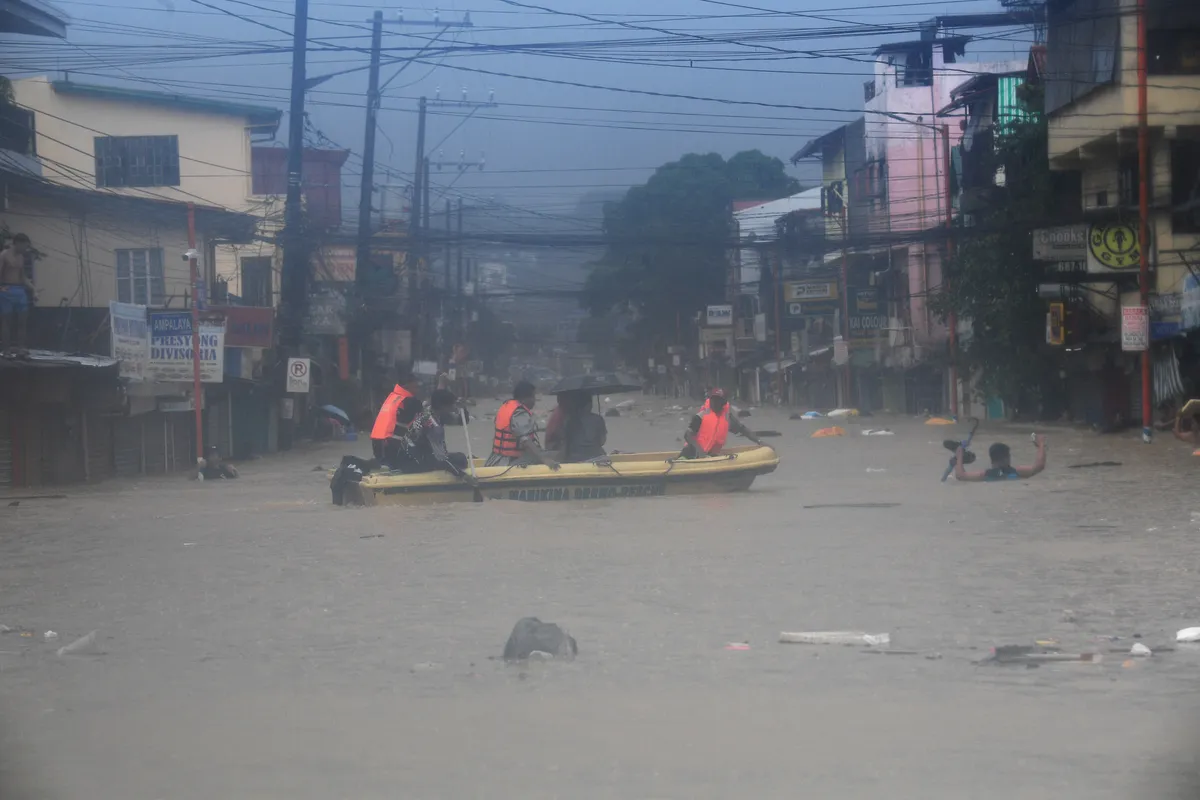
885,182
905,178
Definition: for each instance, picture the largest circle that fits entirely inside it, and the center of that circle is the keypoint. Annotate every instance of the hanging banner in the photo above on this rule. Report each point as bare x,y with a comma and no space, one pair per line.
1189,303
171,348
326,314
130,339
247,326
1135,328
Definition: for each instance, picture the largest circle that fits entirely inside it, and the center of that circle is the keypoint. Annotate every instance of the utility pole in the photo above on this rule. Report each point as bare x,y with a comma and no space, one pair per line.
1143,145
460,249
952,319
460,301
294,277
425,204
374,97
367,188
193,267
446,267
415,255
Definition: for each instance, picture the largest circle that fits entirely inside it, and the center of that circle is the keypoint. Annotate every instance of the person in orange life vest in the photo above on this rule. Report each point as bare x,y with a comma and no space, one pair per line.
710,427
515,440
398,410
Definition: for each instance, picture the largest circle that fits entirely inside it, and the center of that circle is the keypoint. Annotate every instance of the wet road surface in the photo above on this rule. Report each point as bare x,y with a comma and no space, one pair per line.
257,646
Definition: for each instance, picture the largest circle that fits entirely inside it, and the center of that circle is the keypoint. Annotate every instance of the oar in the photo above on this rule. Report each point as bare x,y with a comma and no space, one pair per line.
462,413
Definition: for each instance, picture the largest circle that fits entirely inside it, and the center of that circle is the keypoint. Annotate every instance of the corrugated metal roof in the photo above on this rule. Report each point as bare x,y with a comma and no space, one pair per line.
34,359
255,115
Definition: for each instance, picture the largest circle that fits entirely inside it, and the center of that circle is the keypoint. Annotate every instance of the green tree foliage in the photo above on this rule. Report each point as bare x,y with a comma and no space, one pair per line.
993,278
667,240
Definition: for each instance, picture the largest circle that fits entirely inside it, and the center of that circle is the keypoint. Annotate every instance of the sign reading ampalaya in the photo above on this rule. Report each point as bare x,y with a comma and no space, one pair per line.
171,348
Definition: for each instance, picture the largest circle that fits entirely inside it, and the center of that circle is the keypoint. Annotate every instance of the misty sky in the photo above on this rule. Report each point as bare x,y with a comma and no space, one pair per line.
542,139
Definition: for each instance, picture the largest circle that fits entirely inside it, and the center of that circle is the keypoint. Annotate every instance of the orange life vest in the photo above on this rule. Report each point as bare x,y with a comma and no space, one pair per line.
385,423
504,443
714,429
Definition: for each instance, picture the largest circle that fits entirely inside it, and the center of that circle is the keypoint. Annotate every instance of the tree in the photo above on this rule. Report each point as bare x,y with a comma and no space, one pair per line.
666,241
993,279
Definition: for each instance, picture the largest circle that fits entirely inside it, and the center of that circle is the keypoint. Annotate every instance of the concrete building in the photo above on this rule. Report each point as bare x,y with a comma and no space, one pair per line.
157,145
1092,106
886,187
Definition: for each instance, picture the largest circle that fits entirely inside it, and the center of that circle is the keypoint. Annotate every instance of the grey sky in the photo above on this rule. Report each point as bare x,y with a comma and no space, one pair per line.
570,133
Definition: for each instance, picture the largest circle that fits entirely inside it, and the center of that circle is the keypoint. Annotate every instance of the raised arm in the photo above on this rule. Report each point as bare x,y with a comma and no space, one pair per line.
1039,462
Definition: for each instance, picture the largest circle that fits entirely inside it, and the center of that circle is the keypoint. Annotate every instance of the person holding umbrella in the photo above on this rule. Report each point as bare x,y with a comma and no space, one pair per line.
574,430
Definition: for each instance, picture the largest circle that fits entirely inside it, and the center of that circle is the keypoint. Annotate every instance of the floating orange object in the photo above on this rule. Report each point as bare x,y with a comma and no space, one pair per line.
939,421
825,433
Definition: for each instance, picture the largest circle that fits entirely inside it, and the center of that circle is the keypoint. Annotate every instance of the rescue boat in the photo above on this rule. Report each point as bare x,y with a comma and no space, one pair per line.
616,477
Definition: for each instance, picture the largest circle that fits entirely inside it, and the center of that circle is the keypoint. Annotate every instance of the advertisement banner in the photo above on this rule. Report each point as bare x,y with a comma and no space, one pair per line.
868,317
1065,243
130,339
720,316
1113,248
1135,328
247,326
1189,303
335,263
326,314
171,348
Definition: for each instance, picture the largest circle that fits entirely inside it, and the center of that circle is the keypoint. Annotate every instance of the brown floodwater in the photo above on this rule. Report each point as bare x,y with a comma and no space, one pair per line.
255,645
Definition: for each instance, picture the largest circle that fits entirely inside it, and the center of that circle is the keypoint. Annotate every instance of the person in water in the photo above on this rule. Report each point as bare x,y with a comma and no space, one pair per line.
1002,468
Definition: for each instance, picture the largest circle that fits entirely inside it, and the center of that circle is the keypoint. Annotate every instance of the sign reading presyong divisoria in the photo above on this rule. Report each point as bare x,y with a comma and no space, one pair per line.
171,348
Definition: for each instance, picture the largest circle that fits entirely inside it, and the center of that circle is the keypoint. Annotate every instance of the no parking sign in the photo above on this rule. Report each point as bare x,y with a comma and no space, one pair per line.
298,375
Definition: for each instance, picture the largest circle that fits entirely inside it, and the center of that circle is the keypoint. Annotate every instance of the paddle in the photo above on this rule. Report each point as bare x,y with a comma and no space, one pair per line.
478,496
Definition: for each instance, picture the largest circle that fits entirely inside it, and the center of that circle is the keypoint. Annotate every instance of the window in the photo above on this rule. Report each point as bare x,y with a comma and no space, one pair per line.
1185,186
16,130
1173,51
256,281
140,277
137,161
1127,182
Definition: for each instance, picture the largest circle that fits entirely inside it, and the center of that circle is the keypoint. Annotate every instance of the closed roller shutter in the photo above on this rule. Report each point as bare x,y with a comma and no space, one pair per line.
154,442
127,446
99,447
6,450
182,431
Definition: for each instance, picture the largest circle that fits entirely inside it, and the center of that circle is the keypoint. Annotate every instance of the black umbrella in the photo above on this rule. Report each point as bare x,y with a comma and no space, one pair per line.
603,383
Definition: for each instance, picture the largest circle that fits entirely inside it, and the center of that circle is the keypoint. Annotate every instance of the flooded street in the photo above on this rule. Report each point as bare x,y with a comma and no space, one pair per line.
261,643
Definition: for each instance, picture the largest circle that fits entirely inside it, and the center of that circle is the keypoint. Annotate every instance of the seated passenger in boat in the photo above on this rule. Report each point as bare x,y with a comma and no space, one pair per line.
515,439
709,428
422,447
575,431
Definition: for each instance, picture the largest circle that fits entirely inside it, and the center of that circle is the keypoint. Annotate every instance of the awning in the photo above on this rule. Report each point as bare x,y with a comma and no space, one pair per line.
42,359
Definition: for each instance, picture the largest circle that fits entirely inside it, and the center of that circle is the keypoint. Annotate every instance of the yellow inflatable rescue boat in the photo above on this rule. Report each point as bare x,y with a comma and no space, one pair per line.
616,477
